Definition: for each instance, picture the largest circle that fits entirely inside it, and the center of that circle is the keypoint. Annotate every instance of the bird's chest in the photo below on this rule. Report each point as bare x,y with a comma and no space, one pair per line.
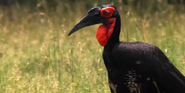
125,68
125,62
128,60
120,76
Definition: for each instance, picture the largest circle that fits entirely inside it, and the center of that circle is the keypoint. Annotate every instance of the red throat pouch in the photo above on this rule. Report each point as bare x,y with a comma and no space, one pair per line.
105,31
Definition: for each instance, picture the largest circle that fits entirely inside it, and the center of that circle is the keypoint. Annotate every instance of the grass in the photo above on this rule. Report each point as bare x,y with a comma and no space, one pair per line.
37,56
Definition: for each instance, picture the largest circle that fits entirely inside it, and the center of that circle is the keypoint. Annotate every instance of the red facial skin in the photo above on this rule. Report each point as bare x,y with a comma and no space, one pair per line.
111,11
105,31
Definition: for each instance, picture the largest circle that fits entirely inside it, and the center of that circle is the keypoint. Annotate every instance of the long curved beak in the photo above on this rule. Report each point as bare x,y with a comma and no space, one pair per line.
87,21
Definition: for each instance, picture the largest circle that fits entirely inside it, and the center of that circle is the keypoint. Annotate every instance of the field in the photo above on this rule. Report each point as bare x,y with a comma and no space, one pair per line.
37,56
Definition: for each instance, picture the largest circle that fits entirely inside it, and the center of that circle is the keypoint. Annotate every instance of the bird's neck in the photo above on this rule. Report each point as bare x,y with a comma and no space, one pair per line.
114,38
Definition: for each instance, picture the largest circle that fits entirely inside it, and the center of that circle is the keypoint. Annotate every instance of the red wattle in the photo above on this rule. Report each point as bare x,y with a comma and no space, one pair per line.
105,31
101,35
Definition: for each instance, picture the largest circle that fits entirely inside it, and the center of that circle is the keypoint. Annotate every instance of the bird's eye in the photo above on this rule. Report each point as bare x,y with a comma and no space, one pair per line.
106,12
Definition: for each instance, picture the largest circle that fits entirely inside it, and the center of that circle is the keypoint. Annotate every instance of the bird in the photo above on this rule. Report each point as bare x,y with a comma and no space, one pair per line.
133,67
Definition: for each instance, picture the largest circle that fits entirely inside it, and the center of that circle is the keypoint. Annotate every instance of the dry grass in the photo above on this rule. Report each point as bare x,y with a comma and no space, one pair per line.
37,56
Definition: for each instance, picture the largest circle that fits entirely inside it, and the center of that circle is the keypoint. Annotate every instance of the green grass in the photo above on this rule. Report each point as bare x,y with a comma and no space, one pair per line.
37,56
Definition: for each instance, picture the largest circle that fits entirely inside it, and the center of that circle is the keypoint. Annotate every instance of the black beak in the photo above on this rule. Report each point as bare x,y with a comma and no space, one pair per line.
87,21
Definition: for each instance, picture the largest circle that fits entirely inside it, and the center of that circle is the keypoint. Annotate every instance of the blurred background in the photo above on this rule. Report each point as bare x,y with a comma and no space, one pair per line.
37,56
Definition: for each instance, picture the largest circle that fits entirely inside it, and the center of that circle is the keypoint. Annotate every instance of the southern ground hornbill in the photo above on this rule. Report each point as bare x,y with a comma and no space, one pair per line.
133,67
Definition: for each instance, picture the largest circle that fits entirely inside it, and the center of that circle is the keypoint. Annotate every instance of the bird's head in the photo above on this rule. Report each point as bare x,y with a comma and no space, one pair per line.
105,14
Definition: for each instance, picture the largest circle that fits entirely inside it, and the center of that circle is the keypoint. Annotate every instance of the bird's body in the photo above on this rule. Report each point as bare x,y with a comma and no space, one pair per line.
133,67
144,65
